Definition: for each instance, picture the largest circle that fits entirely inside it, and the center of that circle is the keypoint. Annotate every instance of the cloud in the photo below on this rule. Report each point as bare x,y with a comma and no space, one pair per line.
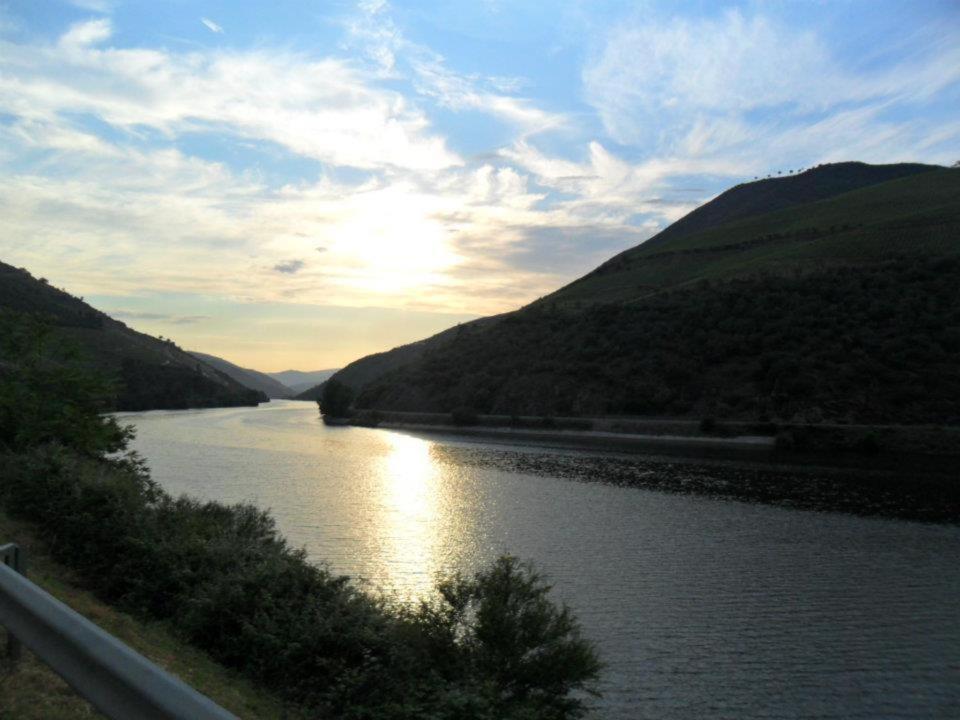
289,267
96,172
382,41
90,32
324,109
462,92
749,82
161,317
100,6
212,26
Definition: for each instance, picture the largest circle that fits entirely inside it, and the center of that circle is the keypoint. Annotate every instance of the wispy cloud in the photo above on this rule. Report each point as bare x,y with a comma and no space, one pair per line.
323,109
101,6
751,85
159,317
289,267
391,51
212,26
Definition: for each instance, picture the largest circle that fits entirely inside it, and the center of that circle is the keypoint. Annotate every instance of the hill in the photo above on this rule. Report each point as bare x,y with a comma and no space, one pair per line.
843,308
300,380
252,379
370,368
766,196
149,373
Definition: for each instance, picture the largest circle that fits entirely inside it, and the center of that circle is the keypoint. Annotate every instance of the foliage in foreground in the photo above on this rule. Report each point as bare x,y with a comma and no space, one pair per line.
31,690
488,647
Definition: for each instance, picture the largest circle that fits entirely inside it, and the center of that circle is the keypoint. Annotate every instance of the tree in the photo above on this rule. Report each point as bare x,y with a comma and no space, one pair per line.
516,638
335,400
48,395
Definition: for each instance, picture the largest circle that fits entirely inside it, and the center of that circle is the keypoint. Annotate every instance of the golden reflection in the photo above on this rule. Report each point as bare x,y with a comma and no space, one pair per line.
410,515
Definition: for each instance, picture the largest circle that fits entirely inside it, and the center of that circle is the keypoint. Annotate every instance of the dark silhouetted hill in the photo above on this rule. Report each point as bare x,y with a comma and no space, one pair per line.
829,305
252,379
149,373
300,381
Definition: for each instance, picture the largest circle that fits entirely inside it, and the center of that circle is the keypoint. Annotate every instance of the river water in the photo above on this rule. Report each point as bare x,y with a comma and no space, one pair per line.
701,608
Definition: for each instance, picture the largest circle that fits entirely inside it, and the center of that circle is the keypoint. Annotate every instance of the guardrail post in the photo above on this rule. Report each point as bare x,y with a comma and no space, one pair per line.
13,556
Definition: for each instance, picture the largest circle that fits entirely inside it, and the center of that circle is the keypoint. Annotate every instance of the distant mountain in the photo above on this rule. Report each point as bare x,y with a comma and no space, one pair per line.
252,379
300,380
150,373
783,298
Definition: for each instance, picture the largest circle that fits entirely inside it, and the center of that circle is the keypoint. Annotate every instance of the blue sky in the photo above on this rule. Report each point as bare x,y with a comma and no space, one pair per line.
297,184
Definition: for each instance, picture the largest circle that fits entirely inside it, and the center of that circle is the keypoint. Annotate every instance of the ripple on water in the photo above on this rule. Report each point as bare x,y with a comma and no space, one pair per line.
702,607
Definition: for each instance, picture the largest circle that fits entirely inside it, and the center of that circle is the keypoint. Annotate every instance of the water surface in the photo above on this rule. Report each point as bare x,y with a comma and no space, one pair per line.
701,607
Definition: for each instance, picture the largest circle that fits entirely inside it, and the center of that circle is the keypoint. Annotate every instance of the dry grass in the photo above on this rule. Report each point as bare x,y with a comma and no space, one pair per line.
32,691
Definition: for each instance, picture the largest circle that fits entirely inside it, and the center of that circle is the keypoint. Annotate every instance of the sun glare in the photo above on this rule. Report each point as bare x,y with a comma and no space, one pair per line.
393,243
410,513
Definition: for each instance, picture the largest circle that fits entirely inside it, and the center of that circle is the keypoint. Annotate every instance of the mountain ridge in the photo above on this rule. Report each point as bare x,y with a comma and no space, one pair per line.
725,321
149,373
253,379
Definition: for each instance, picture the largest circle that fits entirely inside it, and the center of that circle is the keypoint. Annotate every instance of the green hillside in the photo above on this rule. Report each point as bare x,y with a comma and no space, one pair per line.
766,196
370,368
916,214
844,308
148,373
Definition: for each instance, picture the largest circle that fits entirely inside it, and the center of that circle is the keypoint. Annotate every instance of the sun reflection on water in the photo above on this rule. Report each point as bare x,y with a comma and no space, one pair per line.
410,515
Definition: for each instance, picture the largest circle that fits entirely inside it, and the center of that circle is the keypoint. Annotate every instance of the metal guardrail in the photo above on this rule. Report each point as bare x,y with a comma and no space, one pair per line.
12,556
119,682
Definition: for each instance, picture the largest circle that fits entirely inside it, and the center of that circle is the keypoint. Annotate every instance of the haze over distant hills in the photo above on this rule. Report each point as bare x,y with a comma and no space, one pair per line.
829,294
300,380
150,373
253,379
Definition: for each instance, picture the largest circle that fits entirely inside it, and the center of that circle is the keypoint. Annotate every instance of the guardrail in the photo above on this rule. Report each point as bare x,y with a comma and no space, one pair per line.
118,681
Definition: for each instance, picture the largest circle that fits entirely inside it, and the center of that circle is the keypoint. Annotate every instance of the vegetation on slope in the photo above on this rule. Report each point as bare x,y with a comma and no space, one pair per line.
490,646
843,309
766,196
875,344
32,691
147,373
916,214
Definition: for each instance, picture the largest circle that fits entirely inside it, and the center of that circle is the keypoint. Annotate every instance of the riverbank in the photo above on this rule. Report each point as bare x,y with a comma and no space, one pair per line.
32,691
875,446
699,445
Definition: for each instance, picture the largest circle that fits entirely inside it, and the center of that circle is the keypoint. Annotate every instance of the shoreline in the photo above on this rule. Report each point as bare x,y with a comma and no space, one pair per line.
594,439
886,448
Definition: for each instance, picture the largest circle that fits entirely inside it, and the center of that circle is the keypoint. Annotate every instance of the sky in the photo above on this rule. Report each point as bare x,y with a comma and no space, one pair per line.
298,184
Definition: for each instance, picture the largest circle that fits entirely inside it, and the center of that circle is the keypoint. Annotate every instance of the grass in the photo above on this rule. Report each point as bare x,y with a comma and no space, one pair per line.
920,213
32,691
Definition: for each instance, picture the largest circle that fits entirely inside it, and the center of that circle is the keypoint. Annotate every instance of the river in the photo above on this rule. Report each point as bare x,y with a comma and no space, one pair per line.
700,607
